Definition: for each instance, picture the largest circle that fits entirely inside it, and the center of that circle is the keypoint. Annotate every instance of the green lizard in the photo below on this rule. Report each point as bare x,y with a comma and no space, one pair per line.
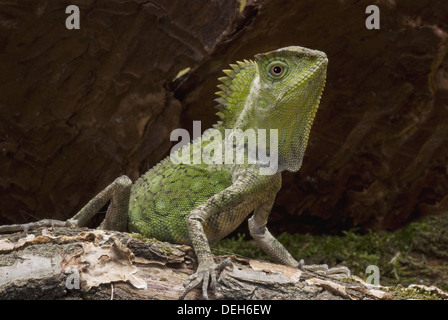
198,204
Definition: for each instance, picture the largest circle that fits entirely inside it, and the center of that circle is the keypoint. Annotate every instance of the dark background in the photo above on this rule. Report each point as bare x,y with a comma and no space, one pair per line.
78,108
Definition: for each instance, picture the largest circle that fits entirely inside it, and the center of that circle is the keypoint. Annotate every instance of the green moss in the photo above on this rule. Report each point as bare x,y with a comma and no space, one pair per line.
163,246
400,292
415,254
139,236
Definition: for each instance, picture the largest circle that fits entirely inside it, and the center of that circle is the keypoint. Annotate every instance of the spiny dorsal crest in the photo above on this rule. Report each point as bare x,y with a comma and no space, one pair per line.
234,89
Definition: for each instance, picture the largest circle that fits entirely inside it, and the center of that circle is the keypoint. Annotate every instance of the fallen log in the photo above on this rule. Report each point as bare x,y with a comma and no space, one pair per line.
82,263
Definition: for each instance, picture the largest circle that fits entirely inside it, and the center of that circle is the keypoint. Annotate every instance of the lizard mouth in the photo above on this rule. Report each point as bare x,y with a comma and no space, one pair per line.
313,72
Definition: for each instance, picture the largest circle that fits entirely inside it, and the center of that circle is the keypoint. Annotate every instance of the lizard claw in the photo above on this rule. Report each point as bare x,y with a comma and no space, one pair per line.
205,274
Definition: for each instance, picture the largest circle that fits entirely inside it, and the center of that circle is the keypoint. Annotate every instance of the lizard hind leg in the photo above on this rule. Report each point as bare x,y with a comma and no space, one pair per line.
118,193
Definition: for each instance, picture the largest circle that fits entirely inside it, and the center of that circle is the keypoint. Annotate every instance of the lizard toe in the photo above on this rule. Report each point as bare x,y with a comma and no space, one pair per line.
323,269
342,270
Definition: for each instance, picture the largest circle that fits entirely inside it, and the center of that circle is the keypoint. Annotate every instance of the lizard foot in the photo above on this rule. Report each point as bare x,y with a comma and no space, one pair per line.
323,268
34,225
205,274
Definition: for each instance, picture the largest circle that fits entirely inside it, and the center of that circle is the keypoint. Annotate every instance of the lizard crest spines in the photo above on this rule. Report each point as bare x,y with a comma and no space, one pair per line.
234,89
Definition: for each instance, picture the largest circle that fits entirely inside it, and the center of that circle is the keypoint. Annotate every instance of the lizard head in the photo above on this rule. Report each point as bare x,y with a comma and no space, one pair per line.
285,96
281,90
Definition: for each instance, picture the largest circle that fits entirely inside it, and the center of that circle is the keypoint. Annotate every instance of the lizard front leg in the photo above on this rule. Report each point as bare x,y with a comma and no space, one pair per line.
264,239
222,213
207,268
270,245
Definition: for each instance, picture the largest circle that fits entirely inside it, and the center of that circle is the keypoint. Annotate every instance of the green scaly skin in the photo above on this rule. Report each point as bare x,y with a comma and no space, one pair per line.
198,204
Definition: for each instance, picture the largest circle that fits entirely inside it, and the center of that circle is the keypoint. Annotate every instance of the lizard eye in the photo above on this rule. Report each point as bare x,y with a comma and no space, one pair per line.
276,70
